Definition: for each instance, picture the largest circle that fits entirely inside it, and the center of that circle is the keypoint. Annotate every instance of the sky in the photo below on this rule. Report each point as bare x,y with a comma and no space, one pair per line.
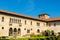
32,7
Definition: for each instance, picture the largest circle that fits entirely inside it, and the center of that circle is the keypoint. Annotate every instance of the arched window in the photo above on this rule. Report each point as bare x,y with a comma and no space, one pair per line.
38,31
19,30
15,30
10,31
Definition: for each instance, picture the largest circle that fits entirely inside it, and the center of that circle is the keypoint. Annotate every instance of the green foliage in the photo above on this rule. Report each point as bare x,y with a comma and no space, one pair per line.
4,39
32,35
38,37
22,39
48,31
58,37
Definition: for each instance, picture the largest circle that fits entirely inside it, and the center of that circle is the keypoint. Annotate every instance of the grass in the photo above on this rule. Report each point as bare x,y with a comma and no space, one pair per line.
22,39
37,38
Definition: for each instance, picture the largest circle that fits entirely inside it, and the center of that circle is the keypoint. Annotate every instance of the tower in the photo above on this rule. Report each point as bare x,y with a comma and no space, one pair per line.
44,16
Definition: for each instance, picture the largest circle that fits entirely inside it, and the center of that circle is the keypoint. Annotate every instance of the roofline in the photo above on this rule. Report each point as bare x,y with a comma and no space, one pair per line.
27,17
19,15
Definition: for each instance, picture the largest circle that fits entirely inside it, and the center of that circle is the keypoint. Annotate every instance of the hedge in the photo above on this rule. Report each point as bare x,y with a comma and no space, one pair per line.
37,38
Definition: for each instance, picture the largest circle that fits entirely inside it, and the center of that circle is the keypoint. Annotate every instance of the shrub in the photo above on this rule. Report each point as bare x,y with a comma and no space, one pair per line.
38,35
58,37
3,37
52,33
32,35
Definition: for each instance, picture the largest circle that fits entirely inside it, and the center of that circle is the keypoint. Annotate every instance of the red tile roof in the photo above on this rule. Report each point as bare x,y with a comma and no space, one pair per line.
47,20
53,19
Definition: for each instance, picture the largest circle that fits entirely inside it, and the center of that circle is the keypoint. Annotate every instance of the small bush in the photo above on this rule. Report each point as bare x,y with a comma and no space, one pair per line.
58,37
3,37
32,35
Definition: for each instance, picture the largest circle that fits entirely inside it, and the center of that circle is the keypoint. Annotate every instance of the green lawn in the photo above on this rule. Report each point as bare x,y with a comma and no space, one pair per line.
36,38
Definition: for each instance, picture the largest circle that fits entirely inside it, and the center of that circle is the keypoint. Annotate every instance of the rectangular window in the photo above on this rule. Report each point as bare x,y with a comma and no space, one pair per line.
15,20
38,24
25,22
49,25
54,24
10,20
31,22
10,24
19,21
2,19
28,31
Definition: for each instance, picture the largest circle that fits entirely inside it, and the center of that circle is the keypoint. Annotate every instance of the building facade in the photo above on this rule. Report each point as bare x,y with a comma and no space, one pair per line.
25,25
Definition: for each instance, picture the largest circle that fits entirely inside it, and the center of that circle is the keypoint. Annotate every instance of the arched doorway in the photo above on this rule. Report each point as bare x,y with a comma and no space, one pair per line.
38,31
15,30
19,31
10,31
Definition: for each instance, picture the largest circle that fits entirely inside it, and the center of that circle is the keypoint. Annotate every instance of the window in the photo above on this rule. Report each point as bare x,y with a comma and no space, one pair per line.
2,27
44,24
10,31
38,24
54,24
19,30
19,21
25,21
49,25
31,22
38,31
2,19
28,31
15,20
10,20
31,28
10,24
24,28
15,30
20,25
